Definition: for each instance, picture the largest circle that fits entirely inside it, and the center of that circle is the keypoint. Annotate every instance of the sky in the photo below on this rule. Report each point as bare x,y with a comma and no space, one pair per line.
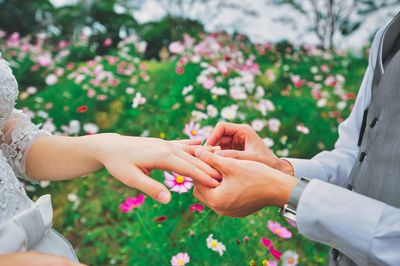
265,26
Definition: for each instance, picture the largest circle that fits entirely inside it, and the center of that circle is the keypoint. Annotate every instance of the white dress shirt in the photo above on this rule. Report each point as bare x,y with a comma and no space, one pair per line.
364,229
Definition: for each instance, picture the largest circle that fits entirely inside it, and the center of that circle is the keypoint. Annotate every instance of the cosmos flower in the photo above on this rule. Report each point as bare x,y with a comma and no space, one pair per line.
279,230
268,244
180,259
290,258
196,207
138,100
131,203
178,183
215,245
193,131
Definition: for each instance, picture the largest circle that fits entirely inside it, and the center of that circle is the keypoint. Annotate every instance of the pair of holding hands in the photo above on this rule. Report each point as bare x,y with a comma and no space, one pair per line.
241,178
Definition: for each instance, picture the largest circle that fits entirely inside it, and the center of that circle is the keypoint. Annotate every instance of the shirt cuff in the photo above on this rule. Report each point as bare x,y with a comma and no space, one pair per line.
340,218
296,194
307,168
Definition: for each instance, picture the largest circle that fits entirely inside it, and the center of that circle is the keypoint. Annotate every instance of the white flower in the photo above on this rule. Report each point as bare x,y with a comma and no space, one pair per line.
302,129
73,128
51,79
130,90
49,126
187,89
269,142
218,91
90,128
212,111
215,245
138,100
341,105
321,102
290,258
258,124
238,93
274,125
230,112
260,92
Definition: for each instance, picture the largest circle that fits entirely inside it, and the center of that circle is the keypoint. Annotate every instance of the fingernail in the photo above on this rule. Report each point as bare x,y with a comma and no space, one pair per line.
163,197
199,152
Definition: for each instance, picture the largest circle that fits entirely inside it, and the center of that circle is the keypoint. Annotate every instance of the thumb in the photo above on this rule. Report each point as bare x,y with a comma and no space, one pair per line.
137,179
211,159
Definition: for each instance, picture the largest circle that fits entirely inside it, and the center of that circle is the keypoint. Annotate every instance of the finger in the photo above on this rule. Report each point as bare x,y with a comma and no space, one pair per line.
182,167
135,178
223,129
241,155
199,195
189,148
226,142
215,161
200,164
188,141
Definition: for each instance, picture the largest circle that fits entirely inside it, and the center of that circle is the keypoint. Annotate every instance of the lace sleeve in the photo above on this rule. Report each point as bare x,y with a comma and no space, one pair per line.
16,138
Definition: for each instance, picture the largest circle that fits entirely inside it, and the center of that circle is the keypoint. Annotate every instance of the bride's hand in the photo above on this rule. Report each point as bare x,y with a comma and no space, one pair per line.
35,259
130,159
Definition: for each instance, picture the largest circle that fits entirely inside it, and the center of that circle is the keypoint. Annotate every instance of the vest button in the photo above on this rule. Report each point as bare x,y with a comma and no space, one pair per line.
373,123
362,156
350,187
335,254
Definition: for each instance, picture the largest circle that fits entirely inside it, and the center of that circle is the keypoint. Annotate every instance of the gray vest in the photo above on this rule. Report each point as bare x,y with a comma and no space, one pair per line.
376,172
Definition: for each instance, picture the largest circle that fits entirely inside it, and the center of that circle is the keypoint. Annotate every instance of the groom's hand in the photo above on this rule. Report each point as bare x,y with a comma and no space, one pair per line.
242,142
246,186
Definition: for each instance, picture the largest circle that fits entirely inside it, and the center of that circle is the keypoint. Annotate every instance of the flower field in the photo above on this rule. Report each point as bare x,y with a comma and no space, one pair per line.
293,97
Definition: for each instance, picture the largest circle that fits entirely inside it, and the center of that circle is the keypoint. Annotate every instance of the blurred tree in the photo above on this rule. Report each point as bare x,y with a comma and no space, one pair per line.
331,19
22,16
159,34
203,10
327,19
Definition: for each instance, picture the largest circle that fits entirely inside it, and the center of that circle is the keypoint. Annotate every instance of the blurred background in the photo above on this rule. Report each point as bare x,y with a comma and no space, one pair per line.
172,69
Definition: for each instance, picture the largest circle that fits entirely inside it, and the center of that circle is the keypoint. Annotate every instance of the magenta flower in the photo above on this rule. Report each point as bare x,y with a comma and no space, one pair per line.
131,203
268,244
279,230
193,131
178,183
180,259
196,208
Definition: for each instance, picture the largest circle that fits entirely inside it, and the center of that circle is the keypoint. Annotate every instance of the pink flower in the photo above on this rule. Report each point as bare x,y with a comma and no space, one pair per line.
131,203
196,208
180,259
107,42
178,183
269,263
268,244
208,84
193,131
176,48
279,230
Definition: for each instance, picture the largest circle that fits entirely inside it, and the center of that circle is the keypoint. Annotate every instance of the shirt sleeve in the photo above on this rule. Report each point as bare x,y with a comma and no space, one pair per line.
335,166
366,230
17,136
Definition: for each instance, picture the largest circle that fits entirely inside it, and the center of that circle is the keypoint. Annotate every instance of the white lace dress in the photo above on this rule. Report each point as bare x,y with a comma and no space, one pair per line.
24,224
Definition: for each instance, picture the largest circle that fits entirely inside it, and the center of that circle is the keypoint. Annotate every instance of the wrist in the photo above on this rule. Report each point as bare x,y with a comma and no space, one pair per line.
283,188
99,145
286,167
